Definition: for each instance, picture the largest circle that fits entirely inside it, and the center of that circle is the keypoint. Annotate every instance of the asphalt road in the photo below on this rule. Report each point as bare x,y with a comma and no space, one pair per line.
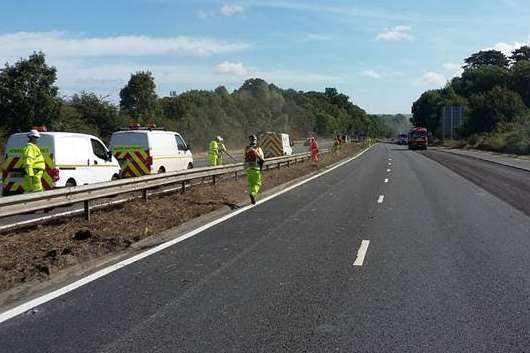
446,270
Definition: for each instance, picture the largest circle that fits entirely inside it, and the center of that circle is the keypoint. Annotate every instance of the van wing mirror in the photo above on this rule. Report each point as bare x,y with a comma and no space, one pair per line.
188,147
109,155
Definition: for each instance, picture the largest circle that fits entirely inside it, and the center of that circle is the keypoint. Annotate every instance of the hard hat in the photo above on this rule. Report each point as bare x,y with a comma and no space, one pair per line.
33,134
219,138
252,138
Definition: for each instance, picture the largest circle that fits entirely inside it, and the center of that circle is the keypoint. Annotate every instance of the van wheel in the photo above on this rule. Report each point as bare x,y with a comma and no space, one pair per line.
71,182
161,170
115,177
190,166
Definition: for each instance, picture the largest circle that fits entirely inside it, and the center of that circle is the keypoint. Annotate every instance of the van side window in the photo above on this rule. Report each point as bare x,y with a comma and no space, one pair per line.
180,143
99,150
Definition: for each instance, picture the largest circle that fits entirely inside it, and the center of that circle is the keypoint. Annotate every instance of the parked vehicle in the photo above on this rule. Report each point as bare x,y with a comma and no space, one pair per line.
148,150
418,138
275,144
71,159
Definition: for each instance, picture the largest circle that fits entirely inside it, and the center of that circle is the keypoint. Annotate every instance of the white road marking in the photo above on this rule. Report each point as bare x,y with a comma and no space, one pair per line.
389,163
381,198
361,253
386,180
22,308
390,159
388,170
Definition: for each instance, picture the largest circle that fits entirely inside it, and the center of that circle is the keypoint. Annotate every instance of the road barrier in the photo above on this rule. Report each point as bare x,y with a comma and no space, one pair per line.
86,194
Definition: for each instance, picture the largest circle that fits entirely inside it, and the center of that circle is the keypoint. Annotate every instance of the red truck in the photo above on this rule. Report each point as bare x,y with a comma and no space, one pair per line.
418,138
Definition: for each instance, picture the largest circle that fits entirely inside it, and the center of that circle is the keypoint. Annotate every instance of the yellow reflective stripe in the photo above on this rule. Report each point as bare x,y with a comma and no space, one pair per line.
140,163
133,169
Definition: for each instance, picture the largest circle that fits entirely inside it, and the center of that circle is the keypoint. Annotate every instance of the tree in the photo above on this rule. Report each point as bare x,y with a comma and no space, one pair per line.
480,80
138,97
96,111
28,95
521,79
521,54
496,106
426,110
487,57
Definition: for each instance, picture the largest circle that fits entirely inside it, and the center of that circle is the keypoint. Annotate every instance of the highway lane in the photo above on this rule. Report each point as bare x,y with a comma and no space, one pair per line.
446,270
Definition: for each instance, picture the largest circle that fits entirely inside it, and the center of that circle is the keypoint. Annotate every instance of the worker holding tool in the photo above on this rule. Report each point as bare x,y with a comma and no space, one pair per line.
33,162
254,160
215,150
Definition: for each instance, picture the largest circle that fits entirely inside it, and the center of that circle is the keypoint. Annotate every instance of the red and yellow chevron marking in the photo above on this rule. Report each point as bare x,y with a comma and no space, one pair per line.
133,163
16,163
271,145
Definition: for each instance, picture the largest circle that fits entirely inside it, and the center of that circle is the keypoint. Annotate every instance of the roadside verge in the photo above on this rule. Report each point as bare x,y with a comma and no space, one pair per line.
46,257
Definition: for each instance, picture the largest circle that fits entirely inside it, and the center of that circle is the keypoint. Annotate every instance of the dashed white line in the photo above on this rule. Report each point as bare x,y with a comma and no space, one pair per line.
389,163
388,170
361,253
381,198
386,180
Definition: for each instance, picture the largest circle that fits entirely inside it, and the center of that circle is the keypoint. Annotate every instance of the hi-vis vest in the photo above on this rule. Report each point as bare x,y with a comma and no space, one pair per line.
253,157
13,169
213,148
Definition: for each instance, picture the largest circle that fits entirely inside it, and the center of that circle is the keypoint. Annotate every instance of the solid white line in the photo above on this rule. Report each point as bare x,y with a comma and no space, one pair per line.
381,198
22,308
361,253
386,180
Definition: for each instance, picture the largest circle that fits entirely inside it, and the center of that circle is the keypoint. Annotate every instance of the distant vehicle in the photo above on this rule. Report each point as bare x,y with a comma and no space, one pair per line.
71,159
402,139
150,150
275,144
418,138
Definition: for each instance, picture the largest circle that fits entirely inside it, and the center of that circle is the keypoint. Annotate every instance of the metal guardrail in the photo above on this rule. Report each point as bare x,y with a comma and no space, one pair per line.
26,203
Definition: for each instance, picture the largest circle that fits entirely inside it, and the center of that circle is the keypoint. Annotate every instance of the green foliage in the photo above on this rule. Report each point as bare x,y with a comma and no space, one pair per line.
497,105
496,99
486,57
138,98
28,95
521,54
520,80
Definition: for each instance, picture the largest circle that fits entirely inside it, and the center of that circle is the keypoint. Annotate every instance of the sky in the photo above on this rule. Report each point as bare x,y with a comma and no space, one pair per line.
382,53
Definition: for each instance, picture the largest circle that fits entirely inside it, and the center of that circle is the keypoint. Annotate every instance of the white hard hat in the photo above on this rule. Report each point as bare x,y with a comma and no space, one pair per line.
219,138
34,134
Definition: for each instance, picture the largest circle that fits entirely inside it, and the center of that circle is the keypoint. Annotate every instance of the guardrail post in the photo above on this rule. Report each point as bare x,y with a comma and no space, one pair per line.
146,195
288,164
213,179
235,175
86,206
183,188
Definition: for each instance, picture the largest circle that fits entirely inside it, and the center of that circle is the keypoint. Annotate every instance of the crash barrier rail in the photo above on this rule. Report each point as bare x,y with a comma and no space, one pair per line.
26,203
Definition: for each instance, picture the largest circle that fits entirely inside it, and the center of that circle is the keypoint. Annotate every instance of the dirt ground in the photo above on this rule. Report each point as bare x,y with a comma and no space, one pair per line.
38,253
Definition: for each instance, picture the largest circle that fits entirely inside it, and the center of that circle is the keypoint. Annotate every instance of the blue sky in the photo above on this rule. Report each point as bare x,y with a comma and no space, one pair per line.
382,53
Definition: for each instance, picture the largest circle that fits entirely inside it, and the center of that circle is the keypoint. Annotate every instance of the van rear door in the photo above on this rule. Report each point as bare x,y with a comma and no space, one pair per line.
131,149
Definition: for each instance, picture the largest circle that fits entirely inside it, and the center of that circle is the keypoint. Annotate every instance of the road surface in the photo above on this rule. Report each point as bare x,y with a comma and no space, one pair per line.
392,252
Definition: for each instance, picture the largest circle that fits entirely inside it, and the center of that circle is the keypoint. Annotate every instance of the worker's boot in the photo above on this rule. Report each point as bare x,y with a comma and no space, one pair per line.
252,199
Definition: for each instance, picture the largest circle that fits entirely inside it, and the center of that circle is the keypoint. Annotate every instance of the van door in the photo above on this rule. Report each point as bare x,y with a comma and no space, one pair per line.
183,152
101,165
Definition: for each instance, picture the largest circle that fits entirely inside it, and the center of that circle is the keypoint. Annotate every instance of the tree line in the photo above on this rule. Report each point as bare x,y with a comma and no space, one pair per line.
29,96
495,92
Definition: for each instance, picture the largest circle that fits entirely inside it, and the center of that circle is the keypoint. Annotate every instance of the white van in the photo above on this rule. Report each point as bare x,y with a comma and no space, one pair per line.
71,159
275,144
142,151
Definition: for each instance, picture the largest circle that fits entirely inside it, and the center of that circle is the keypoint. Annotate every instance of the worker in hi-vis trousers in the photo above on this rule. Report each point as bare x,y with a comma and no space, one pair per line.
34,165
216,148
254,160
